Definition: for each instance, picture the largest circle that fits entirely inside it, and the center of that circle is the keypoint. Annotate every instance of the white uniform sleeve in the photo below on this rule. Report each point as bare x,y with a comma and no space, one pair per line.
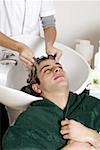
47,8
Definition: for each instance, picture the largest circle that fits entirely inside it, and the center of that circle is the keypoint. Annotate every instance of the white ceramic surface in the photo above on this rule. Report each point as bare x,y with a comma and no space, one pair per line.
76,67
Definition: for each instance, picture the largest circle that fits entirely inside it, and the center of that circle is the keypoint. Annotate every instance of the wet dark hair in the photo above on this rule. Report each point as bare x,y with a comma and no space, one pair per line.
33,78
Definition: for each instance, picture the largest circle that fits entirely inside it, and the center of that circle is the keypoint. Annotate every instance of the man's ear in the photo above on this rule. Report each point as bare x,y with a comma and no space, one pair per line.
36,88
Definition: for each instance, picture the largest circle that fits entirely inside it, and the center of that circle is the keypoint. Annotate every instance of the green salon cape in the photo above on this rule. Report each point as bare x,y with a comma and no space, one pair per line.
38,128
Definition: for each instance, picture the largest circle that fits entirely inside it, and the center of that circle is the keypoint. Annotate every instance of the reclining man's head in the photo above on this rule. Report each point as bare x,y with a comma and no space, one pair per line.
48,77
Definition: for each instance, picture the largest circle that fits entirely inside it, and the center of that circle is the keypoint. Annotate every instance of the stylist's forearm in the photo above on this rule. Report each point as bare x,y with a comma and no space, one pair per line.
9,43
50,36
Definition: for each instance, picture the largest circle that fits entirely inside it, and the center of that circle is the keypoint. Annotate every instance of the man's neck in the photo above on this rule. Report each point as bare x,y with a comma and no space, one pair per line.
59,98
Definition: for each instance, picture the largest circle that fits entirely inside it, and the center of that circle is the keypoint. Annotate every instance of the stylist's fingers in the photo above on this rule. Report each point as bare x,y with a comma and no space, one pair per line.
55,52
27,58
58,55
26,54
25,61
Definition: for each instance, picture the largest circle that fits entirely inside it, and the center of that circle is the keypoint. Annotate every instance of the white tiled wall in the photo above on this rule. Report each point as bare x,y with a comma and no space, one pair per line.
78,20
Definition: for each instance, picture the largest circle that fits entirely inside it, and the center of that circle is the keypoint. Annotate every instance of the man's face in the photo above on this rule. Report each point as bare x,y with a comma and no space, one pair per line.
51,75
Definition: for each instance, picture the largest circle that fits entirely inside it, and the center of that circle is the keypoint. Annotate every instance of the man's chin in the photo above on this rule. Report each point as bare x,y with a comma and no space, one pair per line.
61,84
59,87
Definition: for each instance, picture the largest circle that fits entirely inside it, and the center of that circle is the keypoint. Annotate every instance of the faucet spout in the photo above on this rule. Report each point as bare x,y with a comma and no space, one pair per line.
7,58
8,61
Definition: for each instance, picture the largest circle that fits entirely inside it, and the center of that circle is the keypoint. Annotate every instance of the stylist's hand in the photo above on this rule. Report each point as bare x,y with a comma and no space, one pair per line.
26,55
54,51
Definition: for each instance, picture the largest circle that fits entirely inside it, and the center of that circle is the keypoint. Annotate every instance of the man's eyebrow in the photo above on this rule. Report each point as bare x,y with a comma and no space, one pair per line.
50,65
44,66
58,64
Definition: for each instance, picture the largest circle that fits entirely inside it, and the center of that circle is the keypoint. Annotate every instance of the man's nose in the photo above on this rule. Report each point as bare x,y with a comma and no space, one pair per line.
57,69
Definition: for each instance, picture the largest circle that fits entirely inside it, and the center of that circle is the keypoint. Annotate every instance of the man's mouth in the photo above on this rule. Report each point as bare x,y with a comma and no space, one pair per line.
57,77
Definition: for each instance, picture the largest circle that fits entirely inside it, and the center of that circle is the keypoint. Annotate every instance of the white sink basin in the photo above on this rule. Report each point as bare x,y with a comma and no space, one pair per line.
76,67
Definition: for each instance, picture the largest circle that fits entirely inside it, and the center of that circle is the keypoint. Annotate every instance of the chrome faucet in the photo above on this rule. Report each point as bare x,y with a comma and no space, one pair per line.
7,58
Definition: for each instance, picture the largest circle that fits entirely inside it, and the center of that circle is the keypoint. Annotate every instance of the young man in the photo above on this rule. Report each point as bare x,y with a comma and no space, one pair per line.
43,126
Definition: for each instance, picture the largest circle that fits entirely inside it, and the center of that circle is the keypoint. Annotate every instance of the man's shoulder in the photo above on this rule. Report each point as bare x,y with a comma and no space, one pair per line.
35,109
84,98
84,95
